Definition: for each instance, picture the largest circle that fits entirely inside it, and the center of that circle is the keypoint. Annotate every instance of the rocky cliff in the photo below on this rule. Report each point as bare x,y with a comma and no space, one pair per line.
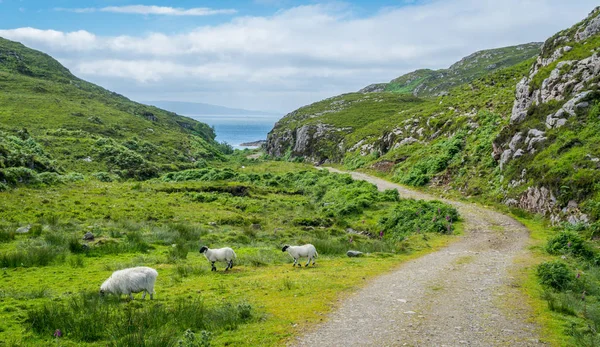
552,116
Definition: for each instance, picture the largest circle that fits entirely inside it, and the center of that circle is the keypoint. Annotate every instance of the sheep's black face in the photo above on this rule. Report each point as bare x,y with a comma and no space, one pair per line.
285,248
203,249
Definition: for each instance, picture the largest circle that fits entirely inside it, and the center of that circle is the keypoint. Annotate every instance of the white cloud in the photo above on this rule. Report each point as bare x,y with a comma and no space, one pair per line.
303,53
152,10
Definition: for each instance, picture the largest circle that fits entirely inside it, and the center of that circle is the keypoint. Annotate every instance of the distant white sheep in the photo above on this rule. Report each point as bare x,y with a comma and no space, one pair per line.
226,255
132,280
309,251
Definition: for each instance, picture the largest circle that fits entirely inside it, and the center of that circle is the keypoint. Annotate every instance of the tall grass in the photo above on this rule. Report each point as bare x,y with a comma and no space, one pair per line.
35,254
122,323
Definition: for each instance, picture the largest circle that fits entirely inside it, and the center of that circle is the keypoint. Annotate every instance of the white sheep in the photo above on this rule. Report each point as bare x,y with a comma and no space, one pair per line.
296,252
132,280
221,254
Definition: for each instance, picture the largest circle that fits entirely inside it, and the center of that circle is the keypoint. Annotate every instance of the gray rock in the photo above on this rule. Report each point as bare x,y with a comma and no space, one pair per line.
591,29
511,203
515,141
88,236
373,88
560,122
505,157
538,200
522,102
354,254
578,219
534,136
407,141
23,230
518,153
571,106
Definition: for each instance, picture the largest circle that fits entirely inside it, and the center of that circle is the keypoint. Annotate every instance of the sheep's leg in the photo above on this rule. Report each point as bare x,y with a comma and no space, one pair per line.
295,262
308,262
130,296
214,268
152,296
144,295
229,265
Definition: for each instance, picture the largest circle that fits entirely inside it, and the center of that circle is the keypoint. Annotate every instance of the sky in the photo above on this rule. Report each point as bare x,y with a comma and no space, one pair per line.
272,55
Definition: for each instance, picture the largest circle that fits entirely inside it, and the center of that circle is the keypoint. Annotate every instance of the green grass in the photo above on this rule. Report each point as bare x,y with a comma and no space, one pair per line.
50,280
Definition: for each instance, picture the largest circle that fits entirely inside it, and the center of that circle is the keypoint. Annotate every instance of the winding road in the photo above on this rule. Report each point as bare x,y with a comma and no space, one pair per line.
462,295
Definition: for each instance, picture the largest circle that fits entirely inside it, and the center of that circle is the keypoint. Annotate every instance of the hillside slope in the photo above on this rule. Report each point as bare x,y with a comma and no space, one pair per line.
427,82
526,135
85,128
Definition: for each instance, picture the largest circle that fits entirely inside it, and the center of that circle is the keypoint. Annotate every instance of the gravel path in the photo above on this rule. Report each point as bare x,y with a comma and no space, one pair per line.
462,295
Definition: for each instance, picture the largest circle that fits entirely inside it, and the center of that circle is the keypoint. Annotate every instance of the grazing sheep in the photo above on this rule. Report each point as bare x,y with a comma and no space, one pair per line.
221,254
296,252
132,280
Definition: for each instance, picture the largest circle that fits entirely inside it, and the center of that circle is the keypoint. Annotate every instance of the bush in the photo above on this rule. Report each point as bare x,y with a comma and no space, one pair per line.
411,216
555,274
104,176
569,242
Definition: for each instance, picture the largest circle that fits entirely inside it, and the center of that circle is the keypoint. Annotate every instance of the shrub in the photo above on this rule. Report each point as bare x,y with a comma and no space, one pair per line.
6,236
569,242
411,216
555,274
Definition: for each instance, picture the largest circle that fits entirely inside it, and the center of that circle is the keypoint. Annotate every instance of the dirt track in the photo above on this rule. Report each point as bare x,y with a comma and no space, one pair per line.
462,295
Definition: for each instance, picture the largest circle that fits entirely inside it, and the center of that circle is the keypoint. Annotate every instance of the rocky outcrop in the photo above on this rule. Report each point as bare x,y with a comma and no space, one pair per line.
317,143
567,79
374,88
538,200
541,200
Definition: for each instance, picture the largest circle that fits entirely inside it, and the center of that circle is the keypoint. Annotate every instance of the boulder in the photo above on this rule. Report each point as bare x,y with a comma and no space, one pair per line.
88,236
23,230
353,254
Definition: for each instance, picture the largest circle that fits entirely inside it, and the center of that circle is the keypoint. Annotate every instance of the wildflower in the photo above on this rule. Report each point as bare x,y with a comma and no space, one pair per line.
350,241
448,218
569,244
57,333
578,275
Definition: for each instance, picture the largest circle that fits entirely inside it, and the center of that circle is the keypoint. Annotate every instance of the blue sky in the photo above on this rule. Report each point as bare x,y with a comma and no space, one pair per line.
274,55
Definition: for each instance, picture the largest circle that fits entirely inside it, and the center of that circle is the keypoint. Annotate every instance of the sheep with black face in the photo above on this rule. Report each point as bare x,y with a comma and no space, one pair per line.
226,255
309,251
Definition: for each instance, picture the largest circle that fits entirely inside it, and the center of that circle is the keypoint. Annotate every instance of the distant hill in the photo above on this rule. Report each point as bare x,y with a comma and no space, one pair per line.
427,82
52,121
198,108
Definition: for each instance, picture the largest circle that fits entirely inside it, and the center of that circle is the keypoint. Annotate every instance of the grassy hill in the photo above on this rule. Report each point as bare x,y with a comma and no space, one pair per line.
427,82
81,127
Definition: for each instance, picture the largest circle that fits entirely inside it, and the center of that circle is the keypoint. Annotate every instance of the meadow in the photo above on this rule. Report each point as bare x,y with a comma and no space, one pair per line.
51,276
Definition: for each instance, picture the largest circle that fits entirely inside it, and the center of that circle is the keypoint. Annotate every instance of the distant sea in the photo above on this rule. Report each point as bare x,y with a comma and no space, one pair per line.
238,129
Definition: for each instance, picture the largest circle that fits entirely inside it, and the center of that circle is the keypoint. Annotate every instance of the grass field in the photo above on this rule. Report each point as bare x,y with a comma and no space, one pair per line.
51,277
